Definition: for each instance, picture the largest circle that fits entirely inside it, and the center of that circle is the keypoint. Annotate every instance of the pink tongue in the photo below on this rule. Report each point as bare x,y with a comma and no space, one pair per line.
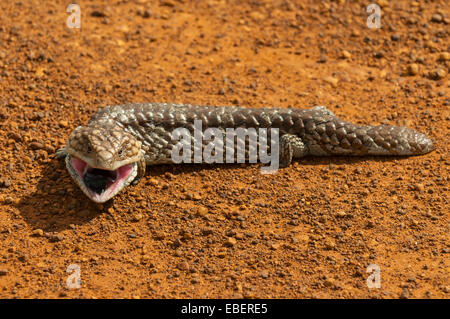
79,165
124,171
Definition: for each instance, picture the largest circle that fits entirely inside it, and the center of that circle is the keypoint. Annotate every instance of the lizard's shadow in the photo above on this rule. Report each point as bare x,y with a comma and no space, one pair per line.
58,203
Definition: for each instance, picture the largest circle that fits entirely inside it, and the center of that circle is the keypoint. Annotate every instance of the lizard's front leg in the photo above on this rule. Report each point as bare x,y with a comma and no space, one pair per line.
61,153
141,165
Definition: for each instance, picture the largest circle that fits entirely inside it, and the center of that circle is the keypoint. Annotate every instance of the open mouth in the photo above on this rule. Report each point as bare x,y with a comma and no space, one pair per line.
101,184
99,180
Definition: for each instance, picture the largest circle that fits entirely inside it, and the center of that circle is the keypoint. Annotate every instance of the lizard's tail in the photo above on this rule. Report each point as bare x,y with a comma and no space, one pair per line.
397,140
378,140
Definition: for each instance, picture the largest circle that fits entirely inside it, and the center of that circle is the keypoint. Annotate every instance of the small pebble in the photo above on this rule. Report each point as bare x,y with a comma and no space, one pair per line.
36,146
257,16
207,231
274,246
167,3
147,14
5,183
56,238
405,293
331,80
202,211
159,235
329,244
98,14
444,56
38,232
438,74
379,54
329,282
16,137
230,242
184,266
412,279
436,18
413,69
323,59
178,253
346,54
341,214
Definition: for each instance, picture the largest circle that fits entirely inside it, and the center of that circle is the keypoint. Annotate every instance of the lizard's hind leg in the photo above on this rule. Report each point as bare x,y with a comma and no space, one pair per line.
291,146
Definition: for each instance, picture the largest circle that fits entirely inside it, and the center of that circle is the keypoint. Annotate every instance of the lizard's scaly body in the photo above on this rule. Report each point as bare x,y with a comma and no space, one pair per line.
125,138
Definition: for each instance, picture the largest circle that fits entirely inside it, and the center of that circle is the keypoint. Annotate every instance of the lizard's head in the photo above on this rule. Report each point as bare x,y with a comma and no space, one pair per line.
103,160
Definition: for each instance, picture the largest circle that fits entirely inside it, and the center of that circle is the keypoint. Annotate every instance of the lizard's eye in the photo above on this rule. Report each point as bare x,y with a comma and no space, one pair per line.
120,152
88,149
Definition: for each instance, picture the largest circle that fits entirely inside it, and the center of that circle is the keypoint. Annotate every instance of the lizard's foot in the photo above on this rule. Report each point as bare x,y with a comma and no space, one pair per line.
61,153
141,166
291,146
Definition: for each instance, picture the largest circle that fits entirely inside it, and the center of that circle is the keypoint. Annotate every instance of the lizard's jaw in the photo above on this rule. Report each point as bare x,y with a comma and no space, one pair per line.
100,185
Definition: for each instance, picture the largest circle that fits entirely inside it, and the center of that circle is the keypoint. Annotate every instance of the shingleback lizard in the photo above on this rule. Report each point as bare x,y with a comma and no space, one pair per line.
112,151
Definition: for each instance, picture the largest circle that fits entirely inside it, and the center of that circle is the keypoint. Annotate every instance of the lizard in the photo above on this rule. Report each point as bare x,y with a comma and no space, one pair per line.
114,148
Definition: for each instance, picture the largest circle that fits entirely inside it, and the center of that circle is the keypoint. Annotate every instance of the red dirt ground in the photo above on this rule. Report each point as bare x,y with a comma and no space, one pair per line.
309,231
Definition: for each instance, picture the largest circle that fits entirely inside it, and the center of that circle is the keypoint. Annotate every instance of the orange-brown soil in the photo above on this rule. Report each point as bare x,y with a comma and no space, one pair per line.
225,231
